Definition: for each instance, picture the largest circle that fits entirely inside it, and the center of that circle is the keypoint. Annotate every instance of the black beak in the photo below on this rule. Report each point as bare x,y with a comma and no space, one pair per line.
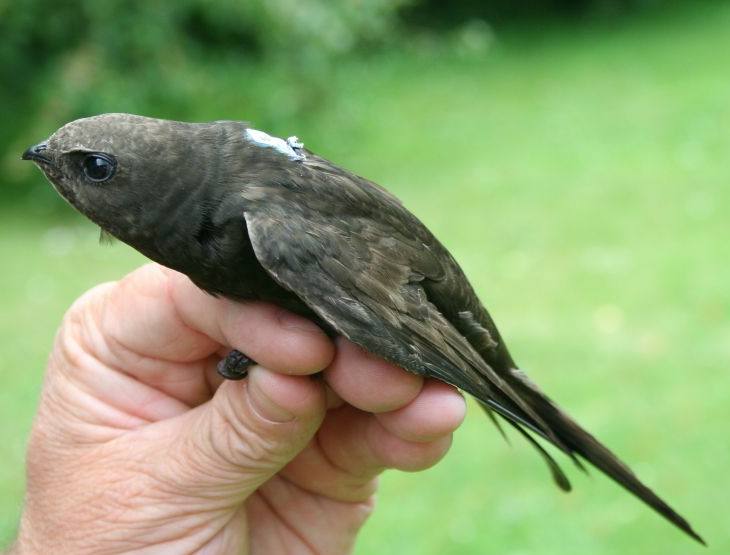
35,153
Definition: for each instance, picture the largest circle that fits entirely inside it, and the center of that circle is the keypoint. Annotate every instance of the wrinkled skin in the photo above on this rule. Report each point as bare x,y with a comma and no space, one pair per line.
139,446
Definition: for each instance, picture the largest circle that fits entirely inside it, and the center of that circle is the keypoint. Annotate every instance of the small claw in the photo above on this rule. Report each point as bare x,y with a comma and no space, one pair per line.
235,366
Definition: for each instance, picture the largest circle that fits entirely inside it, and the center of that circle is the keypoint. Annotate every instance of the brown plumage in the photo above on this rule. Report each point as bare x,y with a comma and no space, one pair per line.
249,216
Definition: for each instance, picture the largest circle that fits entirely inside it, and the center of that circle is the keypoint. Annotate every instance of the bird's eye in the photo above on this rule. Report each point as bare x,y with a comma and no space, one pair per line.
98,167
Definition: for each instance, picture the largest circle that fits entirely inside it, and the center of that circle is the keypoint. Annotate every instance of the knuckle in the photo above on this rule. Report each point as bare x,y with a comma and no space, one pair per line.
238,443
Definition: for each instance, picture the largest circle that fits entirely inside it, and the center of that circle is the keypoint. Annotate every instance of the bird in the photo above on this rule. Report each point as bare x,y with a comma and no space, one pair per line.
247,215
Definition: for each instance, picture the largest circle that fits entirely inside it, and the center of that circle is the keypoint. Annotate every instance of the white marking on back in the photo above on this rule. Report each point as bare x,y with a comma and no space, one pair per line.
288,148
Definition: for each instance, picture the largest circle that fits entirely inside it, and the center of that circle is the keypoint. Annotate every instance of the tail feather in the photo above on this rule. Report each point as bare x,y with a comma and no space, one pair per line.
520,420
559,477
582,443
495,421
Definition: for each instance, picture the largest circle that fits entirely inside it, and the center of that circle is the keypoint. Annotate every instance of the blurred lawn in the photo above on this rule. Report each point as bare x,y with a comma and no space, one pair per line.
580,175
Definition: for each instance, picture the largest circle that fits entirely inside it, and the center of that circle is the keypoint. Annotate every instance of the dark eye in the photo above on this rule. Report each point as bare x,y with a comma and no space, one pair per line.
98,167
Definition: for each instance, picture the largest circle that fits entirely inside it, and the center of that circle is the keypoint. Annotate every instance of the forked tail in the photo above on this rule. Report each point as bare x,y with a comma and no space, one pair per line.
577,441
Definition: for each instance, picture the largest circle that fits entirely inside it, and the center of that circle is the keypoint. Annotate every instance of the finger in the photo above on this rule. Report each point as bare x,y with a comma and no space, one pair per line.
275,338
351,449
212,377
138,317
226,448
314,524
333,400
158,328
438,410
368,382
131,328
159,313
89,383
355,441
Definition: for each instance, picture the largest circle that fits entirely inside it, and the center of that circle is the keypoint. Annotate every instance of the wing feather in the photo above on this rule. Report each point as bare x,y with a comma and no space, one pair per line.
366,284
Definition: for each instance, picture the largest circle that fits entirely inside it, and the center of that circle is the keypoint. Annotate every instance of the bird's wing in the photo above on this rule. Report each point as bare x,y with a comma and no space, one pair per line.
365,280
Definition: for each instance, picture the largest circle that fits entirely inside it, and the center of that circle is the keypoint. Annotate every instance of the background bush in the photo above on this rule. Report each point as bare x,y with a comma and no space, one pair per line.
60,60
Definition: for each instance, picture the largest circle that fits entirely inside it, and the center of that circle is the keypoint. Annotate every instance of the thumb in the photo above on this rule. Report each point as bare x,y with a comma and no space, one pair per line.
228,447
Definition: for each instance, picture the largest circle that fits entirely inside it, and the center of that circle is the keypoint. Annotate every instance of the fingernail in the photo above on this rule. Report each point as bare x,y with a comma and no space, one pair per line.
291,321
262,405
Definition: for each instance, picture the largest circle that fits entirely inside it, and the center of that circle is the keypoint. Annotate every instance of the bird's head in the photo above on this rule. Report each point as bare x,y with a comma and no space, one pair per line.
124,171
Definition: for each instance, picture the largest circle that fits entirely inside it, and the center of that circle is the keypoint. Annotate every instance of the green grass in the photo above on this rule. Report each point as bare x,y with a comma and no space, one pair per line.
581,178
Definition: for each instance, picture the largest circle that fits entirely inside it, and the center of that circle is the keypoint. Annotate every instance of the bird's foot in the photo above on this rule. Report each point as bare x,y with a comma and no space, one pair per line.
235,366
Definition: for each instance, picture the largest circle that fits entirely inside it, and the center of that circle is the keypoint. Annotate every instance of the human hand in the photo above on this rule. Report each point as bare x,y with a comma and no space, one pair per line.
138,444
